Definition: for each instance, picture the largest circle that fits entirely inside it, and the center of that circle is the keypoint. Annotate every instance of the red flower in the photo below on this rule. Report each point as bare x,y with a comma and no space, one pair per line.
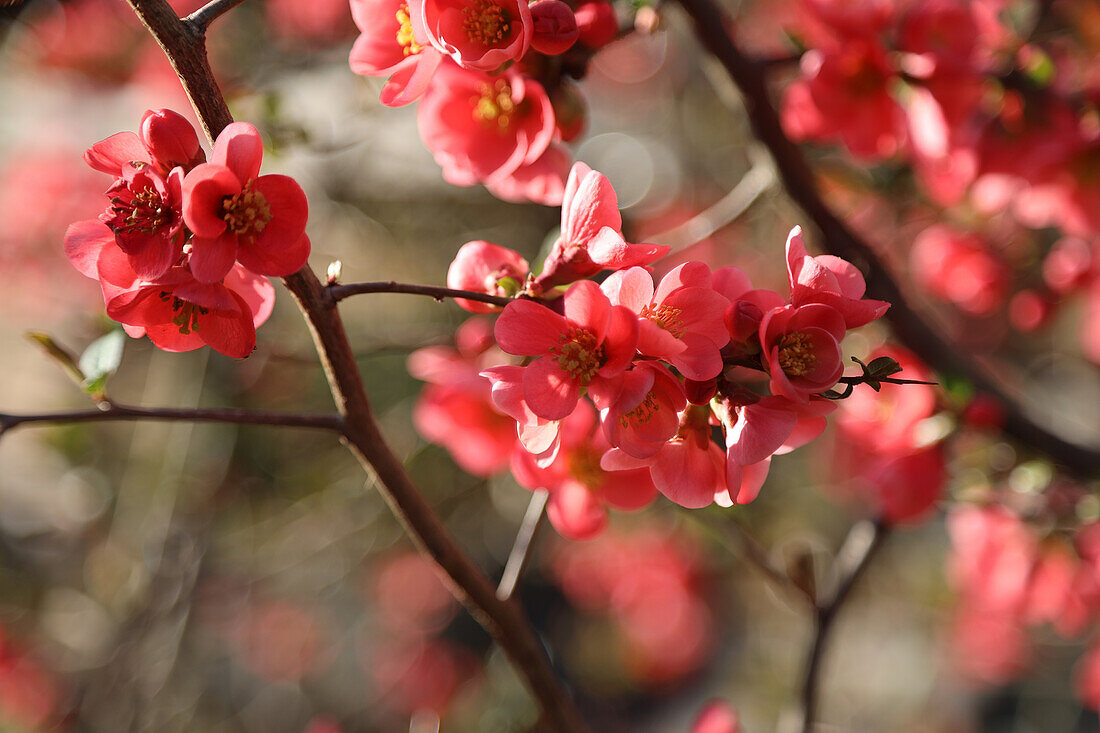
477,34
591,233
235,215
482,128
593,342
801,349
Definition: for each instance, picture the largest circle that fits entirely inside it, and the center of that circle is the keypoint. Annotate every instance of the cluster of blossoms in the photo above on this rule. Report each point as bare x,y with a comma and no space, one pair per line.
997,123
495,107
624,384
183,248
1013,575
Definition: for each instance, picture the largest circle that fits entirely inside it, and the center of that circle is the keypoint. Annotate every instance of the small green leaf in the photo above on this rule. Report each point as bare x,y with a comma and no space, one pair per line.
510,285
100,360
883,366
58,353
877,386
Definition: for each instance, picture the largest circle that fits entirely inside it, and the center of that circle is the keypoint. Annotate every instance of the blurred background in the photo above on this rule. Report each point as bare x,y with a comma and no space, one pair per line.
177,577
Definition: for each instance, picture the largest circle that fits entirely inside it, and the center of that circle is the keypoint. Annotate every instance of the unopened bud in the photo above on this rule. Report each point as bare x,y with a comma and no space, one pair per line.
743,320
555,27
335,269
597,23
171,139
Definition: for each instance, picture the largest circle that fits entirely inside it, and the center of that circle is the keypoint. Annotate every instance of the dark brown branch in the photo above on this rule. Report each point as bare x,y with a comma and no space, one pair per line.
711,26
117,412
339,292
504,620
521,548
201,19
863,541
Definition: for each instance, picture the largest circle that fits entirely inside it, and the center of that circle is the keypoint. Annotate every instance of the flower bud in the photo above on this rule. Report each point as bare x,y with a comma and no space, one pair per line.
743,320
171,140
597,23
555,27
484,267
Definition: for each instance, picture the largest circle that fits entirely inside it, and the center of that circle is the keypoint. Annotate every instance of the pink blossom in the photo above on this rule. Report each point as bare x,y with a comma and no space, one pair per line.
542,181
643,414
482,35
829,280
236,214
482,128
682,322
591,237
480,267
759,429
178,313
537,435
844,95
579,488
166,140
690,469
594,341
456,410
959,268
393,43
801,349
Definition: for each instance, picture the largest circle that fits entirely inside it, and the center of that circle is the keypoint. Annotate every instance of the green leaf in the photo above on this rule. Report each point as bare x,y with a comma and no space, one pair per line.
883,366
100,360
62,356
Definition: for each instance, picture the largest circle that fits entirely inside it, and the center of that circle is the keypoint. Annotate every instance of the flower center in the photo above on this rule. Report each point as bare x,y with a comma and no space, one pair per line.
494,105
584,467
796,355
145,212
667,317
187,313
641,414
485,22
409,46
246,213
578,354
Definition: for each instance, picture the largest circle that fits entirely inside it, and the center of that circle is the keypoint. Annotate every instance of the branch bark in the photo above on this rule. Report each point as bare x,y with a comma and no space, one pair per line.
863,541
505,620
711,27
339,292
116,412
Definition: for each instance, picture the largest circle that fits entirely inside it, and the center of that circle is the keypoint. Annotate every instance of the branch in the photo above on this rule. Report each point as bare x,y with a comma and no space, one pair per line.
521,548
113,411
201,19
504,620
744,544
861,544
339,292
945,358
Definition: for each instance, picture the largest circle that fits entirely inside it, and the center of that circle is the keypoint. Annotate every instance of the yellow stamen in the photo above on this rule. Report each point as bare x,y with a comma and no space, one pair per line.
409,46
246,213
796,356
578,354
486,23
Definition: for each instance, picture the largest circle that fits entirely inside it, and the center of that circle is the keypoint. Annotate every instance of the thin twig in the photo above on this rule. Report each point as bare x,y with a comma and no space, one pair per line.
759,178
521,548
863,541
207,14
504,620
730,532
339,292
114,411
927,342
